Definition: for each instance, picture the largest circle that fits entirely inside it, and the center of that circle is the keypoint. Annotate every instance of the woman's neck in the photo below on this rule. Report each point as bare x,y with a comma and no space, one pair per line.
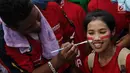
106,55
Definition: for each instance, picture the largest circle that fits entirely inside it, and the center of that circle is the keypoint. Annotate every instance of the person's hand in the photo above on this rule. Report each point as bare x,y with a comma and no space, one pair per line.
69,52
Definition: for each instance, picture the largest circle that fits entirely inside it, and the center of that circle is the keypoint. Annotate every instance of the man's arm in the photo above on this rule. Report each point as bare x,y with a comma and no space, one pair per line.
67,54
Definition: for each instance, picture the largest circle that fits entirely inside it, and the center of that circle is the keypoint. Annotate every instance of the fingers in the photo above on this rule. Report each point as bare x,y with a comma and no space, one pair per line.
66,47
70,51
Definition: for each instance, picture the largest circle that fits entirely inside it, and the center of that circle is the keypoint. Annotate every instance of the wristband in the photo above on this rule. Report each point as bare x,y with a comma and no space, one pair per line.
51,67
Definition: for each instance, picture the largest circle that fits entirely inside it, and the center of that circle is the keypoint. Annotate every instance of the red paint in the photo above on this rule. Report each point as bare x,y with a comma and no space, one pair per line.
90,38
102,37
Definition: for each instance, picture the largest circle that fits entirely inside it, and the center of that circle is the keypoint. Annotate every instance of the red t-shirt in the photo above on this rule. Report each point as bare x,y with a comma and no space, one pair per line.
58,22
27,61
111,67
76,14
120,17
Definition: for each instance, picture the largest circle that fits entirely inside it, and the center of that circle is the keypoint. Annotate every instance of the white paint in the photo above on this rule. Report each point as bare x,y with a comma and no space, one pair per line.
78,53
78,62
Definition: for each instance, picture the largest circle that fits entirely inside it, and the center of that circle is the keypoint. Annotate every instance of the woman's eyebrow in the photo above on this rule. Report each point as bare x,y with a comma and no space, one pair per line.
103,29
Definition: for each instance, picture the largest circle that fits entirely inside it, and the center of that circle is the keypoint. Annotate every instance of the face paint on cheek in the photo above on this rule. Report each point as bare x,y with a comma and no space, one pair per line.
93,38
90,38
102,37
106,36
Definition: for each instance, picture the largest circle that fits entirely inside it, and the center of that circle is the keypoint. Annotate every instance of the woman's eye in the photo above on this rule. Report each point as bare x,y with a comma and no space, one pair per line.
90,33
102,32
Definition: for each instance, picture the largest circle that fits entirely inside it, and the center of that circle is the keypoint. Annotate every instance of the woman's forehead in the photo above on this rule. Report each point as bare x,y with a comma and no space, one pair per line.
97,24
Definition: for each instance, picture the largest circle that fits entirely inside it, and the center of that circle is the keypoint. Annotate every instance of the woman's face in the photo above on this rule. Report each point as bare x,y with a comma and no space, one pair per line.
100,34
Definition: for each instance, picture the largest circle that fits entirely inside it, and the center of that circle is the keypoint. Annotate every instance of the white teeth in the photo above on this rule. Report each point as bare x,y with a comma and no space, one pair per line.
97,45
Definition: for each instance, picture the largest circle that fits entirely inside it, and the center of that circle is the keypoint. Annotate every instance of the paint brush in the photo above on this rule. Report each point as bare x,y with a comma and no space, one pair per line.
83,42
57,50
74,44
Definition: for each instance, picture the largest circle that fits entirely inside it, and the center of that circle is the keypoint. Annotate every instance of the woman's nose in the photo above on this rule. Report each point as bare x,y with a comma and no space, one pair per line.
97,37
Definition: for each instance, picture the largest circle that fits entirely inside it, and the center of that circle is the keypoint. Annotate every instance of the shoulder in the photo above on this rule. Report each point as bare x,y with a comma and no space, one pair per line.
52,4
74,9
52,7
124,58
89,62
73,5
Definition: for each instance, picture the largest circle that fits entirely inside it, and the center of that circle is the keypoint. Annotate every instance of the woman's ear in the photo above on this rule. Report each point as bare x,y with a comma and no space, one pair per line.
114,36
114,31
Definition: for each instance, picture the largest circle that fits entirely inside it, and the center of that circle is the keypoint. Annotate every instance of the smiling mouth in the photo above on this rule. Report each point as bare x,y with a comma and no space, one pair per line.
98,45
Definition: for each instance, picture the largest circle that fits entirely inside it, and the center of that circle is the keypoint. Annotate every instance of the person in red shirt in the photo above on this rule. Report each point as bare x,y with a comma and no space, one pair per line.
99,27
76,15
121,17
24,29
61,27
52,12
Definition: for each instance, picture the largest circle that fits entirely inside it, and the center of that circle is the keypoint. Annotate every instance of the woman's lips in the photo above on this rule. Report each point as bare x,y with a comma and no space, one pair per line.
98,45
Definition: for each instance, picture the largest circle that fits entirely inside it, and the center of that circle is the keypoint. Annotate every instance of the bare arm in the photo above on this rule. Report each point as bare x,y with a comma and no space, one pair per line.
66,55
125,40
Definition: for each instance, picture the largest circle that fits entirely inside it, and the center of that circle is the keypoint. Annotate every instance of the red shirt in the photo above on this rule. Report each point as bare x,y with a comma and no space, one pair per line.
120,17
30,60
111,67
58,22
76,14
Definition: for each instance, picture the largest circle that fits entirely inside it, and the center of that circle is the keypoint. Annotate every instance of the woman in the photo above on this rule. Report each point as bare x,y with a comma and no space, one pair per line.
121,18
99,27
